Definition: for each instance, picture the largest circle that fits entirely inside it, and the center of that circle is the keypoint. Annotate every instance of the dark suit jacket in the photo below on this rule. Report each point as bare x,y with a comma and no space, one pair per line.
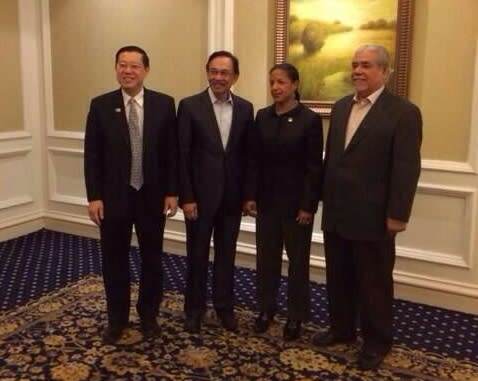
286,167
376,176
210,174
108,151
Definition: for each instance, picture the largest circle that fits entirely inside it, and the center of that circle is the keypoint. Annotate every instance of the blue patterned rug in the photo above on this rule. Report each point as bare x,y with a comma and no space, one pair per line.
50,264
58,337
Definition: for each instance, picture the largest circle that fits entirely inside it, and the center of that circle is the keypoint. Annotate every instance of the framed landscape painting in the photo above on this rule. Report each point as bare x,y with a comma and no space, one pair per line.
319,37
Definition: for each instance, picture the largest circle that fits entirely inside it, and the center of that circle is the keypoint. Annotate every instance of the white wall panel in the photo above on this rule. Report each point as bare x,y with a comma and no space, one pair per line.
440,229
66,180
15,166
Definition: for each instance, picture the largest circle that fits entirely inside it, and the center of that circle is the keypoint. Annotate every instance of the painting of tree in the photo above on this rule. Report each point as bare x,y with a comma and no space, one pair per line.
323,35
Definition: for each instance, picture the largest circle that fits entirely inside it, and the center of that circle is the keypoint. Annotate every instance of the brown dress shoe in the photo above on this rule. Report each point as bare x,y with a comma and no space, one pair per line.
112,334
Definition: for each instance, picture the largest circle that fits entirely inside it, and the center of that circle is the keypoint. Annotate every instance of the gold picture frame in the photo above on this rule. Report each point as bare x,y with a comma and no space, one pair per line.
324,89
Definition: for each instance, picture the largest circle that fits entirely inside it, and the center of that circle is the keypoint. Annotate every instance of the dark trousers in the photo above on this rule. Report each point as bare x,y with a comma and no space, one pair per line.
273,232
360,288
115,245
224,228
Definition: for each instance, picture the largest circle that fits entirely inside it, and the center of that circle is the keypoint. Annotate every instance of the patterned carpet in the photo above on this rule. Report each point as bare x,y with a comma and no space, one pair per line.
57,336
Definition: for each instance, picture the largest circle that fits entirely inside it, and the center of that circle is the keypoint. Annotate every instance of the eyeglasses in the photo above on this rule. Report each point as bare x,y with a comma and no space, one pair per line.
133,66
222,73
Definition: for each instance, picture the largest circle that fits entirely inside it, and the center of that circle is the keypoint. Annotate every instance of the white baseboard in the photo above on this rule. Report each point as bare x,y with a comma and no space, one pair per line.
21,225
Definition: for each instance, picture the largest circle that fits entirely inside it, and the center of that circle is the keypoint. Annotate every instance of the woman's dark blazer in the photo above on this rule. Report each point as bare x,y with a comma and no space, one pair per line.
285,164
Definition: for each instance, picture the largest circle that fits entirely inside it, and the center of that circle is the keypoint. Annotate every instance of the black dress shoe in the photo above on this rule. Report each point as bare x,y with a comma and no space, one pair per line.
112,334
150,328
370,360
192,324
262,322
324,339
291,330
228,321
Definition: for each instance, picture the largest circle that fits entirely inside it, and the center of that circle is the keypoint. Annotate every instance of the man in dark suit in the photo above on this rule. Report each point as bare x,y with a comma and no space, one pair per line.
213,128
130,175
372,165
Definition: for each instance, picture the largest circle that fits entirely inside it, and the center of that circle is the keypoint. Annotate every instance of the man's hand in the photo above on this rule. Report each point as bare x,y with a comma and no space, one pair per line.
249,208
190,210
304,217
96,211
395,226
170,206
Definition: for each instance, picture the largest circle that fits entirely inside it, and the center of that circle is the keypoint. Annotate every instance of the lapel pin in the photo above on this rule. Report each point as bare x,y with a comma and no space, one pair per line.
117,110
290,120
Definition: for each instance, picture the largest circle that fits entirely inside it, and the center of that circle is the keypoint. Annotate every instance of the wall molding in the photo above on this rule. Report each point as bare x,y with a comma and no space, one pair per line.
15,201
436,284
432,257
448,166
69,200
21,224
64,134
20,219
66,151
15,135
4,153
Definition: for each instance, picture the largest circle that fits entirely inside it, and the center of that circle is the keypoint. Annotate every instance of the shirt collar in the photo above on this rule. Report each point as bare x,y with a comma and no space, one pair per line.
214,100
372,97
139,98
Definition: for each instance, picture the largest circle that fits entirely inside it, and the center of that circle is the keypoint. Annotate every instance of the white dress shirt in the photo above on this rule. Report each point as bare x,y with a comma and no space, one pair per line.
360,108
223,112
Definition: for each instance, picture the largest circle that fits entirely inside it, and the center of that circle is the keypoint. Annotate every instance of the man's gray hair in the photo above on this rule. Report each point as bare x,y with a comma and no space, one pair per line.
382,53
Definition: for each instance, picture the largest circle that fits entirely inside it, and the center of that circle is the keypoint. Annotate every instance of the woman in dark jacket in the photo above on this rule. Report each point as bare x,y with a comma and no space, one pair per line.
282,192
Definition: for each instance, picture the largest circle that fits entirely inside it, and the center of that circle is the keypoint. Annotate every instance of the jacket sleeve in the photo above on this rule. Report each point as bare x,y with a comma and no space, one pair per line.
314,145
172,125
93,155
185,122
406,165
252,159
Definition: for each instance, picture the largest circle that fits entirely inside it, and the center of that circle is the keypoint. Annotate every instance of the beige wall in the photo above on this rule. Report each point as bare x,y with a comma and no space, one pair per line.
253,44
85,35
443,58
11,95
